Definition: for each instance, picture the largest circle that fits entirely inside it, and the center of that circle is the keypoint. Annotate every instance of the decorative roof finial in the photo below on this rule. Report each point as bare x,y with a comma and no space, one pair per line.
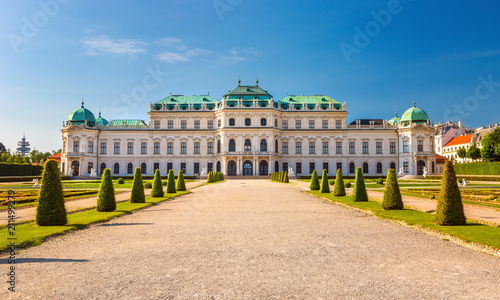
257,81
396,114
82,100
414,104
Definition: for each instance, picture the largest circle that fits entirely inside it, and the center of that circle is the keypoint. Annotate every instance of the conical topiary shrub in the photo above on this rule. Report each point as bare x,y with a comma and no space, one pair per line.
359,194
137,194
216,177
314,181
209,177
157,190
171,182
221,176
285,178
325,187
181,186
50,210
392,195
338,187
106,197
450,210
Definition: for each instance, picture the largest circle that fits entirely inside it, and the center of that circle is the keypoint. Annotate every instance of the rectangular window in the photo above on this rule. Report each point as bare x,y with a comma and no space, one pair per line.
338,124
285,166
210,147
325,124
406,167
311,124
210,167
379,147
157,147
210,124
76,146
183,168
196,124
183,147
170,166
339,166
103,148
170,124
298,167
64,148
144,148
285,147
156,166
117,148
183,124
196,168
365,147
325,167
130,148
312,147
298,148
312,167
325,147
157,124
432,168
298,124
352,148
285,124
196,147
392,146
90,147
420,146
405,147
338,148
170,148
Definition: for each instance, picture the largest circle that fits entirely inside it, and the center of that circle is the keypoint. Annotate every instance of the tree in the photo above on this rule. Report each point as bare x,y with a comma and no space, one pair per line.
461,152
392,195
50,210
157,189
338,187
325,187
2,148
450,210
181,186
474,153
171,182
137,194
106,198
490,143
314,181
359,193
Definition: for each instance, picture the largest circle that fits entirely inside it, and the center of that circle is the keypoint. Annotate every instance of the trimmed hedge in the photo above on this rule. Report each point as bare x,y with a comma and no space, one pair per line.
181,186
171,183
137,194
20,170
106,198
359,194
314,186
50,210
478,168
325,187
157,190
392,196
338,187
450,210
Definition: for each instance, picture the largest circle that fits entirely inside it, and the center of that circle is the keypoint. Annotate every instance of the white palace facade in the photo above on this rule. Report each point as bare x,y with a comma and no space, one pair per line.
248,133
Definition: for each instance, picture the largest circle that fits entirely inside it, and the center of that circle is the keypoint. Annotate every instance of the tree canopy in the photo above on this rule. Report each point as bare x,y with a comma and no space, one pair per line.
491,146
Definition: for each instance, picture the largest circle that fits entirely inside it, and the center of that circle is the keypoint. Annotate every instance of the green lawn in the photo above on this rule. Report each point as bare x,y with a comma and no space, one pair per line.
473,232
31,234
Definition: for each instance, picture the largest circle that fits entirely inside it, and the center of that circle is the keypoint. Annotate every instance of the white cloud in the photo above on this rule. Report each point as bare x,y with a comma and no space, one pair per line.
172,43
120,46
238,55
177,51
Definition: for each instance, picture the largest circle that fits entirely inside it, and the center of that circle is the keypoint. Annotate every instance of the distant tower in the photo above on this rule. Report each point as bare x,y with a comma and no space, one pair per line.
23,148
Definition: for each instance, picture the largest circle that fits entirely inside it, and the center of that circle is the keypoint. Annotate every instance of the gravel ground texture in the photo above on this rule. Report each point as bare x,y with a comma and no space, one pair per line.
251,239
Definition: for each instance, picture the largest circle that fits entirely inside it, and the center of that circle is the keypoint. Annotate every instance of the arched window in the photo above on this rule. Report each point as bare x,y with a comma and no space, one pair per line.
103,166
218,148
143,168
365,168
248,145
231,122
263,122
352,168
379,168
116,168
218,166
248,122
130,168
263,145
276,166
393,166
276,146
232,145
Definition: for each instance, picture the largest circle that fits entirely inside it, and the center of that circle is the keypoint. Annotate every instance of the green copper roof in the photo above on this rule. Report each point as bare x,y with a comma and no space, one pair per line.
187,99
80,115
414,115
101,121
130,122
248,92
395,120
307,99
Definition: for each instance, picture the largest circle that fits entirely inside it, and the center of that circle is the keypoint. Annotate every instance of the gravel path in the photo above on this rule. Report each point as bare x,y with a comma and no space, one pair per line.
252,239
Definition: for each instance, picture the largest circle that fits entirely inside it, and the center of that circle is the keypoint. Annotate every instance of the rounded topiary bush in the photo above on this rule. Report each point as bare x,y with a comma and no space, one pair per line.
392,195
164,183
181,186
137,193
314,182
50,210
106,198
157,188
380,181
171,182
338,187
120,181
348,184
359,194
148,185
450,210
325,187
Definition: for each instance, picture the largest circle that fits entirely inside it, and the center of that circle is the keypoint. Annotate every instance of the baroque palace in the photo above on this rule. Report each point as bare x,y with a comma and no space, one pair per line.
248,133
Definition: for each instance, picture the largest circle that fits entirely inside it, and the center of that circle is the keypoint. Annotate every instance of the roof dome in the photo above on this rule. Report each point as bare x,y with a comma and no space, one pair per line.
80,115
101,121
414,115
395,120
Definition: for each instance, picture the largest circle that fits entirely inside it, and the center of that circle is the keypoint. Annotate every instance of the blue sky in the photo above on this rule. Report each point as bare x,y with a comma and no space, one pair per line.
124,54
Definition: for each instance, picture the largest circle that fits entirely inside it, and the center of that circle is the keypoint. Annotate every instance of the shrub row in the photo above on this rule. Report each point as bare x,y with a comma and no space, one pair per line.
215,177
478,168
148,177
280,176
307,177
20,170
